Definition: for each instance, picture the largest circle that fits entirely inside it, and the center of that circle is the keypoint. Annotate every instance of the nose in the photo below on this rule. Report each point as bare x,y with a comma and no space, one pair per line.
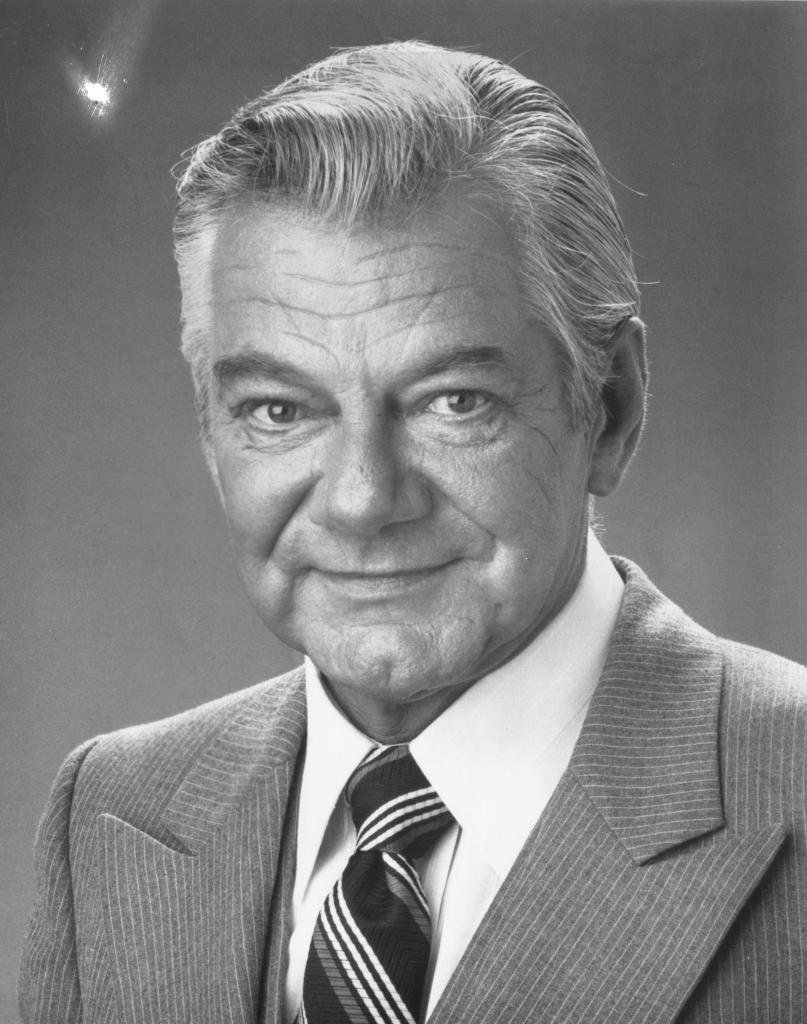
367,482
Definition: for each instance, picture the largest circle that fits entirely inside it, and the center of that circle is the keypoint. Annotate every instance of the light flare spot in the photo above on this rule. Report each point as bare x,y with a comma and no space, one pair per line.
96,92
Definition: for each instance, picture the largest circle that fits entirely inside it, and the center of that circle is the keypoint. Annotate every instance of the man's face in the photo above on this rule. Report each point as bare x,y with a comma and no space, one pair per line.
406,495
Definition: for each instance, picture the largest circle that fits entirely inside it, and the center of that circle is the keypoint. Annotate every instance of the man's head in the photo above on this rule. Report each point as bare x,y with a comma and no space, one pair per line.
408,303
376,134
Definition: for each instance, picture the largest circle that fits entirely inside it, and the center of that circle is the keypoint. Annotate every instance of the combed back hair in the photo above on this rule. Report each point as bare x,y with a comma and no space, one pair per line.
373,135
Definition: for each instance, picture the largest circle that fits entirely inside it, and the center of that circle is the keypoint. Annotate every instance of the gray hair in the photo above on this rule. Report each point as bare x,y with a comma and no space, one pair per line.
376,133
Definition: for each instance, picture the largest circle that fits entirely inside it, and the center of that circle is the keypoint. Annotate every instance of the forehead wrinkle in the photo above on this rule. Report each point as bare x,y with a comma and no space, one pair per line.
296,330
447,246
383,279
287,307
439,320
298,335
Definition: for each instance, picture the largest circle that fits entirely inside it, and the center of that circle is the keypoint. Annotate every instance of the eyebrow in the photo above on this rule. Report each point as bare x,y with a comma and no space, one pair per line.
253,364
485,356
250,364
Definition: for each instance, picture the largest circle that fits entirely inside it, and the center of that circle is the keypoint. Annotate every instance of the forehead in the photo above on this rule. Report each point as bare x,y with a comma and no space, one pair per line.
452,271
263,238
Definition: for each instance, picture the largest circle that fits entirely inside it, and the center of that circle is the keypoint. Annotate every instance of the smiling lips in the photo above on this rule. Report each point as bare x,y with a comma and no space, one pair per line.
378,583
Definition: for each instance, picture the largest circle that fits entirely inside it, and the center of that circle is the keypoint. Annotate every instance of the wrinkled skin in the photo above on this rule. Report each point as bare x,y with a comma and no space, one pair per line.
405,491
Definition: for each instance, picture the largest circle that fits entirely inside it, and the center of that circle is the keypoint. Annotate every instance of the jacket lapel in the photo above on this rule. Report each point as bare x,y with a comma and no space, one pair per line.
186,915
630,880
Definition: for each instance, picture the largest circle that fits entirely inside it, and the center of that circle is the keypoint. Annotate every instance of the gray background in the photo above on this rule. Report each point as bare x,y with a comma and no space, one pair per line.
119,602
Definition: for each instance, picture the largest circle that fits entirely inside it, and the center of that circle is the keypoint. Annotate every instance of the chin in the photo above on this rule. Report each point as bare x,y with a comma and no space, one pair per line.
394,663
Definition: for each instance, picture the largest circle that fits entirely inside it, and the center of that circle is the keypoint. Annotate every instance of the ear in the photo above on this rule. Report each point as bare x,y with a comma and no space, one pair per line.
619,422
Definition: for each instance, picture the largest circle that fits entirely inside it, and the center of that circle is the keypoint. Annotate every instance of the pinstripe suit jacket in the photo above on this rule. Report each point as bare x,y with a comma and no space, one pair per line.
666,879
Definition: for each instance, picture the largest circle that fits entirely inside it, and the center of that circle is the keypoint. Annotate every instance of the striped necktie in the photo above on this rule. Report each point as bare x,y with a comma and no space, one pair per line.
370,950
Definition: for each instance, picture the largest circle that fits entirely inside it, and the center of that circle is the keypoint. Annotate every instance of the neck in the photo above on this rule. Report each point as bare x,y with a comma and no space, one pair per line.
391,722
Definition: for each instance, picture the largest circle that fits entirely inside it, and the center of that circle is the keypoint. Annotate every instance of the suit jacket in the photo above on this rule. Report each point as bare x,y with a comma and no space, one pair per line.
665,881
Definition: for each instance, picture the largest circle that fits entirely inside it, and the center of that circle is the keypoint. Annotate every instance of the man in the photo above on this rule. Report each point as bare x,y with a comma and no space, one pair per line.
512,781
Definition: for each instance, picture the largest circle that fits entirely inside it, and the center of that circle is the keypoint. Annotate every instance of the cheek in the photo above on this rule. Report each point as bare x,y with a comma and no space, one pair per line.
259,500
514,492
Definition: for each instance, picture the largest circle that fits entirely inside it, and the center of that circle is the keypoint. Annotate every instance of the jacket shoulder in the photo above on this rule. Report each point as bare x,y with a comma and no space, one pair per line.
136,770
764,677
763,731
758,699
200,723
653,624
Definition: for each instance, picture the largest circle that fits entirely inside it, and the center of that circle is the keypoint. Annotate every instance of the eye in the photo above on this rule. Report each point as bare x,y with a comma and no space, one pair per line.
458,403
275,412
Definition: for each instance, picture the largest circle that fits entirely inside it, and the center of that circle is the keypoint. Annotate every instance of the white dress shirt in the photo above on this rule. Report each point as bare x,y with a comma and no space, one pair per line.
494,756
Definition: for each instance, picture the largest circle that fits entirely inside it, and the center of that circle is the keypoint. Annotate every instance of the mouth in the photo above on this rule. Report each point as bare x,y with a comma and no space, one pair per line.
386,582
380,574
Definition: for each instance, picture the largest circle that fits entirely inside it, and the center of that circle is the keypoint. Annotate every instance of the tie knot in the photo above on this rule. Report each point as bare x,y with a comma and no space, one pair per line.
392,804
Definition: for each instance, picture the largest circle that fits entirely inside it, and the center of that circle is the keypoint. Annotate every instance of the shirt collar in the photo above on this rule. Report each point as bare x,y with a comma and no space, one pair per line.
334,747
497,753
